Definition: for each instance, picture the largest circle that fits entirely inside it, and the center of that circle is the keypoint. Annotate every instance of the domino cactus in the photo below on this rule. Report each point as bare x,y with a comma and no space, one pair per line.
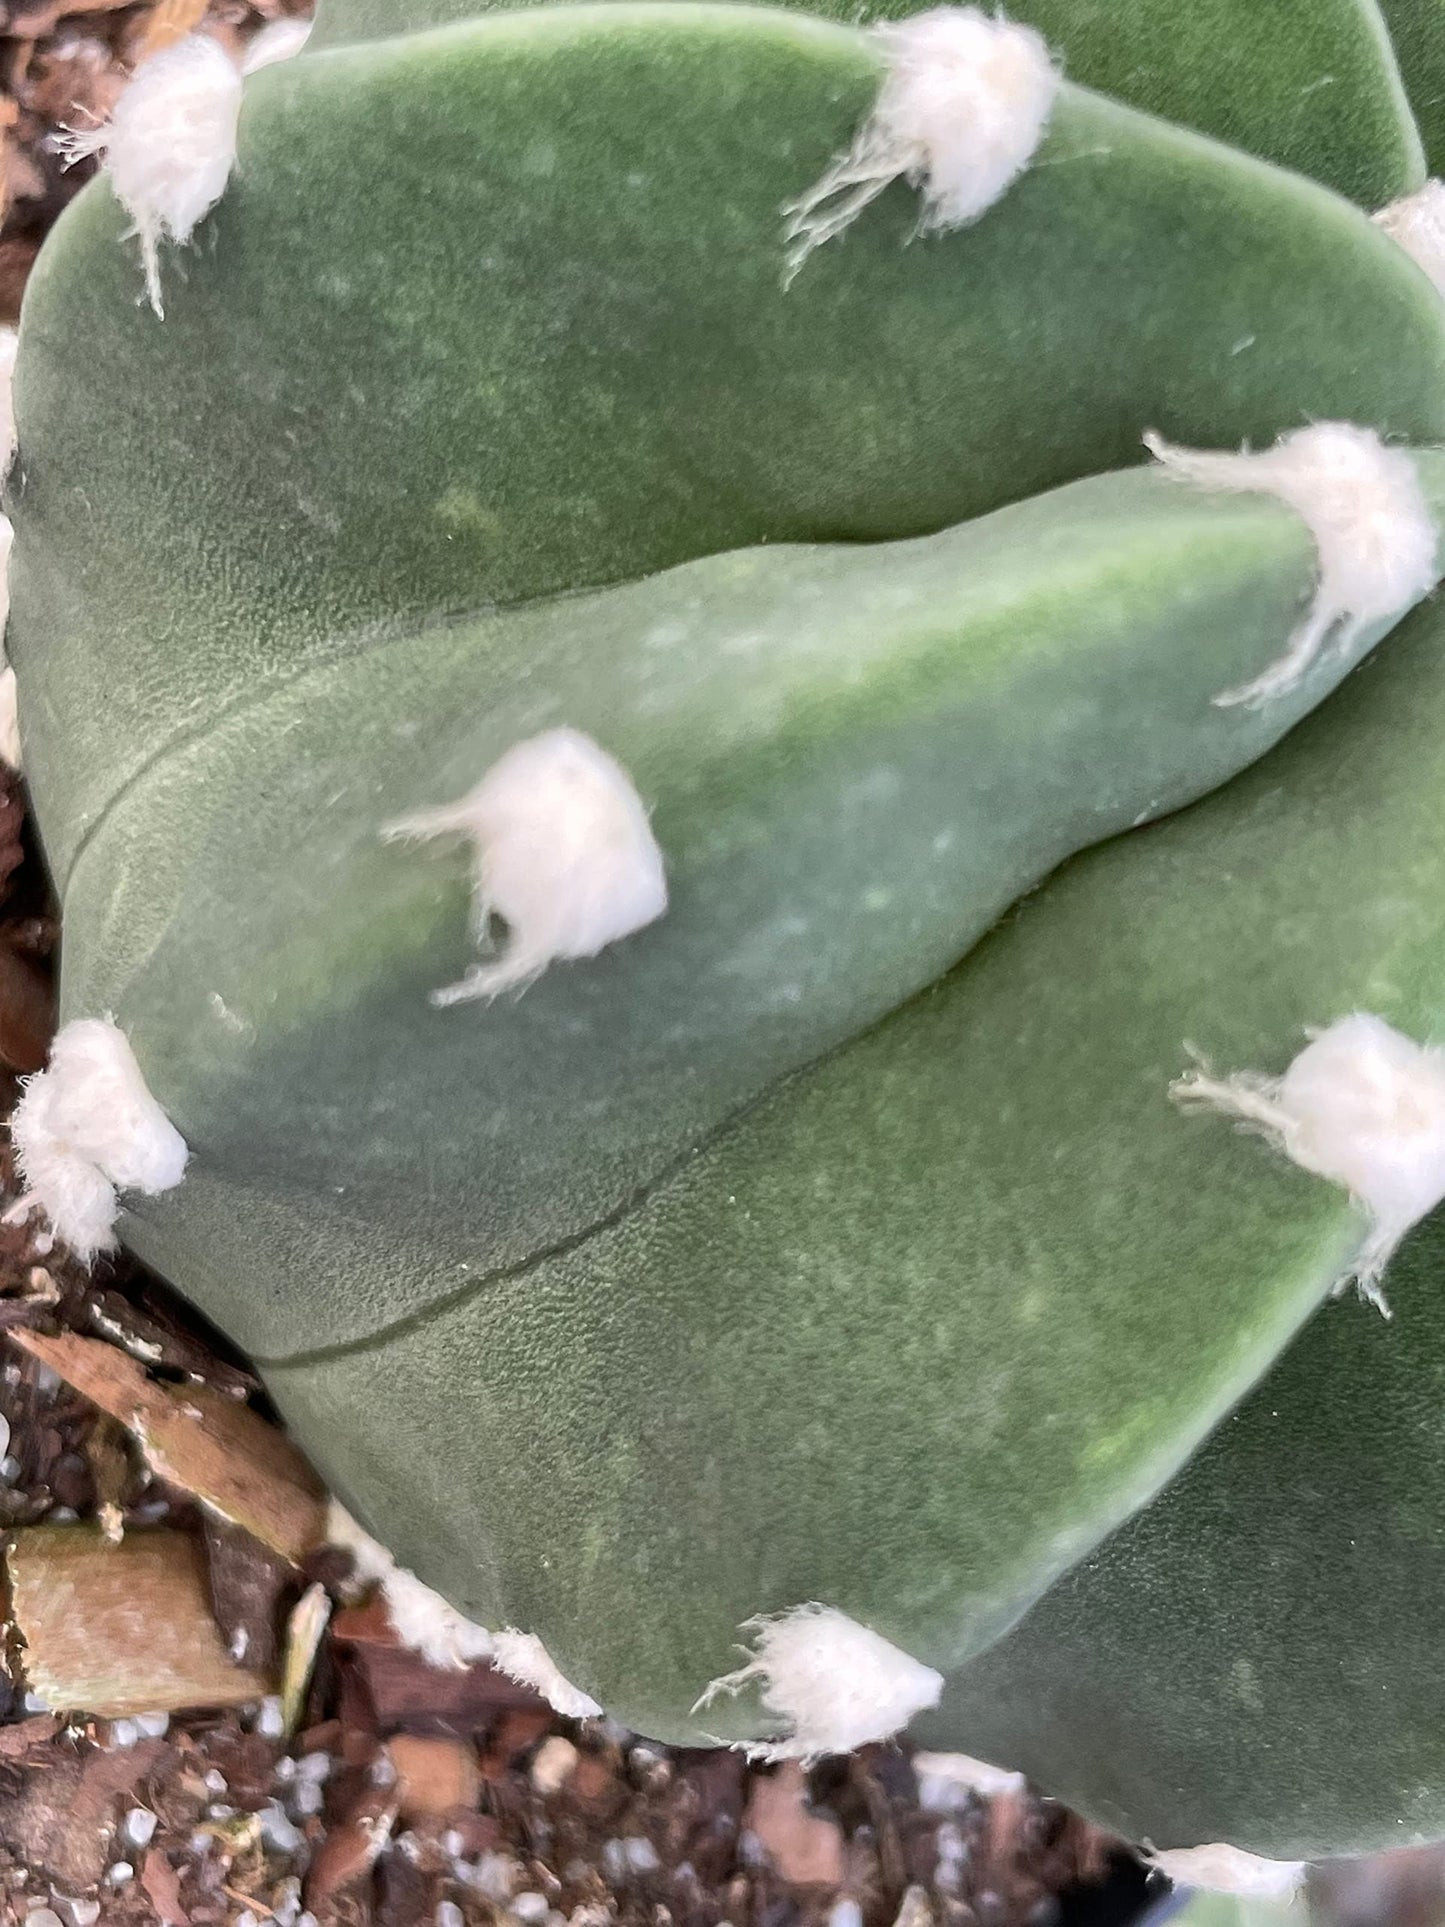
680,852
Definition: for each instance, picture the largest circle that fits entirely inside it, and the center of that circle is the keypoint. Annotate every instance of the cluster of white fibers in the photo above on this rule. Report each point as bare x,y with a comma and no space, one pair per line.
421,1619
1362,1105
1363,504
563,854
1222,1869
961,111
278,40
523,1657
86,1128
169,145
838,1685
1417,224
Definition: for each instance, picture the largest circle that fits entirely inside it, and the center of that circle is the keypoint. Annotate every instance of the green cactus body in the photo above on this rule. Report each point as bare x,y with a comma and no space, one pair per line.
1312,85
833,1238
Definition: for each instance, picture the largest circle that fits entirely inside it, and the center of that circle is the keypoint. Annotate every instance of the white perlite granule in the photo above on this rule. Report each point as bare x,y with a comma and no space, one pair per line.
563,854
1362,1105
961,111
837,1684
1363,504
86,1128
1417,224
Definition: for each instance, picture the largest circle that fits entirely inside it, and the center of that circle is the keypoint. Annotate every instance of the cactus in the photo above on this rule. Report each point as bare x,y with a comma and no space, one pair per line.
671,841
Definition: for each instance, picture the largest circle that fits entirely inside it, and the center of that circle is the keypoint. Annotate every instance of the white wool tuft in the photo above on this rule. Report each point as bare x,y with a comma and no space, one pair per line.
523,1657
1362,1105
941,1776
169,144
87,1127
9,343
277,41
1223,1869
564,855
1417,224
960,114
9,715
1362,503
421,1619
838,1685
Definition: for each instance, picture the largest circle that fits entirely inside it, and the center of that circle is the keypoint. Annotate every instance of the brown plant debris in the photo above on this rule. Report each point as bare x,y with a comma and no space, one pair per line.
214,1447
118,1629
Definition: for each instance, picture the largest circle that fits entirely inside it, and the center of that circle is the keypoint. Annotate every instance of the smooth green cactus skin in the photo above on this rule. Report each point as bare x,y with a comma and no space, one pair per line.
1008,1139
1311,85
1417,29
566,359
1255,1657
856,759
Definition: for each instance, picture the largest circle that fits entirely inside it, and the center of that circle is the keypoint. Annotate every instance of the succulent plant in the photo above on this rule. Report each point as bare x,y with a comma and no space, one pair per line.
679,855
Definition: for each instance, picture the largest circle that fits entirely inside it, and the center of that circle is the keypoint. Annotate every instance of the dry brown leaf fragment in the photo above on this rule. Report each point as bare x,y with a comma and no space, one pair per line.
304,1630
350,1849
163,1888
213,1447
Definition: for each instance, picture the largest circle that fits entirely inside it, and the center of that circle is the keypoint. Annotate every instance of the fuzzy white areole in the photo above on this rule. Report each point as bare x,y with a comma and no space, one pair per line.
1416,223
421,1619
1222,1869
87,1128
1362,1105
523,1657
563,853
169,145
960,114
837,1684
1372,527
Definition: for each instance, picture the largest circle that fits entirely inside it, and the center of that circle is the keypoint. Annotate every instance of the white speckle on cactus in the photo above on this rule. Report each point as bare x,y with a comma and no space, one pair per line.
946,1779
1362,1105
523,1657
961,111
1417,224
421,1619
169,144
1362,503
85,1128
565,856
1223,1869
837,1684
278,40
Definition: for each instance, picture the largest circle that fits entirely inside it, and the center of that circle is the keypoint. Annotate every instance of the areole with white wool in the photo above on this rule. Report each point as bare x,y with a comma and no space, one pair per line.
563,853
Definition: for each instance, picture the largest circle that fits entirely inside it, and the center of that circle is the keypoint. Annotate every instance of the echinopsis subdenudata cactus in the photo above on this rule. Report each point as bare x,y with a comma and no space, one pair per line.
553,676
